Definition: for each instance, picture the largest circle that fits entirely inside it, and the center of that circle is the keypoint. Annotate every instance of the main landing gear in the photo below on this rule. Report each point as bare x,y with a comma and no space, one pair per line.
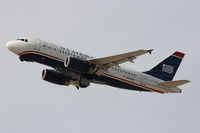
77,87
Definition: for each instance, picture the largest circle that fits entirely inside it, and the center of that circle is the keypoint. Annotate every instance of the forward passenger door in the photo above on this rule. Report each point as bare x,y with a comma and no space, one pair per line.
38,44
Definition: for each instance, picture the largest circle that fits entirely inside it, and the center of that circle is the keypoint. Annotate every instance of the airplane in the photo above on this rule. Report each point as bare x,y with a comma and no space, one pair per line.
70,67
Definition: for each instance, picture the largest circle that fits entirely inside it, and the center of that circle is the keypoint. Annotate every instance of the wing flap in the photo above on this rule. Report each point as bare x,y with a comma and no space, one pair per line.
173,84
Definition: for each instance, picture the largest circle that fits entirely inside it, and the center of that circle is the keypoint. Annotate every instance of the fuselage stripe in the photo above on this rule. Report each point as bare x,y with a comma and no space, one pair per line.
108,75
25,52
132,83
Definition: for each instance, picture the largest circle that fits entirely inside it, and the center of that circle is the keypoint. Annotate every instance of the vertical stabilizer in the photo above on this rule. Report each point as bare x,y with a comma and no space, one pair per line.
167,68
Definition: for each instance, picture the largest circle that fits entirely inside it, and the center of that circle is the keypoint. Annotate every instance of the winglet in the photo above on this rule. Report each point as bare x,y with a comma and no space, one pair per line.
150,51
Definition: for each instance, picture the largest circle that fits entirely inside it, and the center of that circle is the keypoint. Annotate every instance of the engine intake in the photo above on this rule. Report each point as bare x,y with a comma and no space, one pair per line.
55,77
79,65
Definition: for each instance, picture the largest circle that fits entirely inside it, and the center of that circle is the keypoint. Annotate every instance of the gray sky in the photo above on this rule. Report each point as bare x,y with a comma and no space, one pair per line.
100,28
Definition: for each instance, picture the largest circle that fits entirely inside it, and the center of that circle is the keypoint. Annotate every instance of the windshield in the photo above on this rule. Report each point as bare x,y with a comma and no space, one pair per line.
24,40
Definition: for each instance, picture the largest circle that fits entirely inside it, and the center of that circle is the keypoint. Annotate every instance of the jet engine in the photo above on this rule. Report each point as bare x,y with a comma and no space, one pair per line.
79,65
55,77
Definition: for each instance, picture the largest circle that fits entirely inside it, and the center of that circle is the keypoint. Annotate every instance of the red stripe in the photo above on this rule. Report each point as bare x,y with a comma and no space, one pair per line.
179,54
134,83
25,52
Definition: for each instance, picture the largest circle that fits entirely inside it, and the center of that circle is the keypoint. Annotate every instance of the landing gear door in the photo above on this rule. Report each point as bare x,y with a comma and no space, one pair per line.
38,44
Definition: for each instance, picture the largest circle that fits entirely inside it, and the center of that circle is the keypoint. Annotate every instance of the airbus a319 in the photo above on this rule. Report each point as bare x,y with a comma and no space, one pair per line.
70,67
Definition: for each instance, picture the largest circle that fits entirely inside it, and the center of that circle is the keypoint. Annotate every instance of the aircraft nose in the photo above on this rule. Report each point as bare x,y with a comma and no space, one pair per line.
12,46
8,45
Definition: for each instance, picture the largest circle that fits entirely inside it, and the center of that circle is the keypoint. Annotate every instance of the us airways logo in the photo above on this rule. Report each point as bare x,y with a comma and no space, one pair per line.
168,69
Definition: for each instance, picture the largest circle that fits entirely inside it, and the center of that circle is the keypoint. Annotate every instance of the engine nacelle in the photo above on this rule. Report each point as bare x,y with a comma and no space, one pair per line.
55,77
79,65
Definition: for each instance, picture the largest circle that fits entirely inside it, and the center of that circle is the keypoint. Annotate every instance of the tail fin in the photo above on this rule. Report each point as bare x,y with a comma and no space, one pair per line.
167,68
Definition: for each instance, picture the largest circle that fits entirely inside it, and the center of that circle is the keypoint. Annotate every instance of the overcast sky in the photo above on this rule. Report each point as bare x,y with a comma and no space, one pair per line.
100,28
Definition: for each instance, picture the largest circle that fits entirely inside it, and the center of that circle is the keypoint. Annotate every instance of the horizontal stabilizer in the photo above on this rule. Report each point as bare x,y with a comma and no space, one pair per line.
173,84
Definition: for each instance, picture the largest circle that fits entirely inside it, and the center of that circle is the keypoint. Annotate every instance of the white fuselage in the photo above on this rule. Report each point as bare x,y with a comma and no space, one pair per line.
59,53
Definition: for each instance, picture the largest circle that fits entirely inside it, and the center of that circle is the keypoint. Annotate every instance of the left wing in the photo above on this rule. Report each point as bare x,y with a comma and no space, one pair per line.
105,63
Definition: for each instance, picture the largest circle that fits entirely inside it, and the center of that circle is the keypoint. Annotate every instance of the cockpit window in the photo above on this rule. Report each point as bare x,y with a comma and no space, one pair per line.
24,40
